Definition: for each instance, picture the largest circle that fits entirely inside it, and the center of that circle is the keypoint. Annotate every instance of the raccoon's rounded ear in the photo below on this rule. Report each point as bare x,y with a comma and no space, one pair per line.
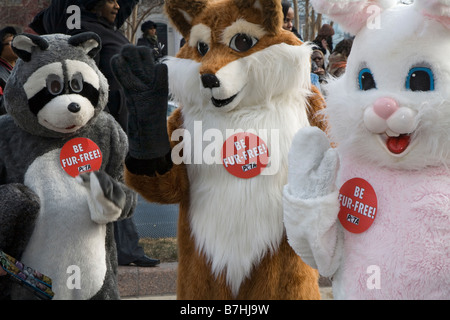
181,13
24,44
89,41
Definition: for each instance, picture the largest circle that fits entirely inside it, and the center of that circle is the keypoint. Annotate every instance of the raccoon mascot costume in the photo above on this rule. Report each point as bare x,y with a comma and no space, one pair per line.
61,166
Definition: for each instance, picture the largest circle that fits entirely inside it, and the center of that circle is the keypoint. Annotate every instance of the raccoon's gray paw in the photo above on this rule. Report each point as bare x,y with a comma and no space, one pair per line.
107,199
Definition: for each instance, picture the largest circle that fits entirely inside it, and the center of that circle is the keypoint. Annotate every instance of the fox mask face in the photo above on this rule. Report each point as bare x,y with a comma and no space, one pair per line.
239,54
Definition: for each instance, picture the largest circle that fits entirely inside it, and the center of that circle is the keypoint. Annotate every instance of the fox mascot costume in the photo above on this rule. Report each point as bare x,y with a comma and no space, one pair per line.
238,72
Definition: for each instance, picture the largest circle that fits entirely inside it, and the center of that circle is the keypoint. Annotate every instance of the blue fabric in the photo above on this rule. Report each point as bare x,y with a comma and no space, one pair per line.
315,80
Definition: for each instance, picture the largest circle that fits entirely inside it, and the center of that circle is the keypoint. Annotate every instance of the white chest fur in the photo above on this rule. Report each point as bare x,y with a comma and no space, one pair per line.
235,221
65,239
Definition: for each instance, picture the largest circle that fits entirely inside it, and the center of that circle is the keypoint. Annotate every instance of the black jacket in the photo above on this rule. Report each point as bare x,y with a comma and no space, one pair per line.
112,42
54,18
152,44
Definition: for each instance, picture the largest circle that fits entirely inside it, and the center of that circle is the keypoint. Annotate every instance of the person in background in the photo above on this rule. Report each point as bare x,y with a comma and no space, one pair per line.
288,18
7,60
324,41
337,62
150,39
317,59
104,17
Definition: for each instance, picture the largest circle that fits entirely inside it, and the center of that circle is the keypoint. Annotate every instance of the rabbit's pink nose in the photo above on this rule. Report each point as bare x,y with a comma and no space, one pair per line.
385,107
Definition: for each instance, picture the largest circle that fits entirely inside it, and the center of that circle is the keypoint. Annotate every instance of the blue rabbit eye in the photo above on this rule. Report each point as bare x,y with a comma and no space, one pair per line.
420,79
366,80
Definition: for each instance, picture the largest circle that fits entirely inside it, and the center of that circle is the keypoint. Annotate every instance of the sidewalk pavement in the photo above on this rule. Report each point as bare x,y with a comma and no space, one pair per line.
159,283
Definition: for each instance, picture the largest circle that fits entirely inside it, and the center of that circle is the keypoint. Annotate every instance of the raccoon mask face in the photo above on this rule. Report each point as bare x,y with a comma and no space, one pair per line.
56,88
63,95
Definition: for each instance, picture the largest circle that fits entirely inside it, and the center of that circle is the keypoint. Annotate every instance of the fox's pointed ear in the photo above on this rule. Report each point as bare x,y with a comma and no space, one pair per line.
181,13
351,15
270,9
24,44
438,10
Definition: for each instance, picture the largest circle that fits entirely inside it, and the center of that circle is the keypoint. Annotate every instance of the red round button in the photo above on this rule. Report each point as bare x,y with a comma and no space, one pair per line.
80,155
245,155
358,205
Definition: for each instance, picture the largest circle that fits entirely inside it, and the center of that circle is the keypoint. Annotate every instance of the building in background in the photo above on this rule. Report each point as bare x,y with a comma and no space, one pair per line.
167,35
19,13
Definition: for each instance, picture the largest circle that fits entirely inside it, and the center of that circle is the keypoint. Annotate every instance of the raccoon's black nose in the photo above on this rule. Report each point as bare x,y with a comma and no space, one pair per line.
74,107
210,81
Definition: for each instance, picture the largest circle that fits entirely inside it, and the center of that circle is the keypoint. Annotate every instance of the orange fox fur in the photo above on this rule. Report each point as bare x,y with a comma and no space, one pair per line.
280,273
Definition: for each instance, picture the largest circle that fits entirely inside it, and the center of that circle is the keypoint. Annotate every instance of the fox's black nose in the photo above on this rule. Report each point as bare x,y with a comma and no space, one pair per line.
74,107
210,81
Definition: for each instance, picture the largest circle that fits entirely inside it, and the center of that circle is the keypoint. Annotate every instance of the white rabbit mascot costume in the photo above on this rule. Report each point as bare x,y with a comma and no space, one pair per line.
375,215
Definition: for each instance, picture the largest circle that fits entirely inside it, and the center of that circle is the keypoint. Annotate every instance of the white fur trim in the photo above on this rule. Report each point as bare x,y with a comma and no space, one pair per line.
200,33
242,26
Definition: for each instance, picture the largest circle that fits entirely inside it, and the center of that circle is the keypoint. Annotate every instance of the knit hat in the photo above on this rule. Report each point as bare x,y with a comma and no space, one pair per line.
326,30
148,25
4,32
89,4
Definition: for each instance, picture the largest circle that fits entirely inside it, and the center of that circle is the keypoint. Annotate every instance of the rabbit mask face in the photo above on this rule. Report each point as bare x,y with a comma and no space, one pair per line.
392,106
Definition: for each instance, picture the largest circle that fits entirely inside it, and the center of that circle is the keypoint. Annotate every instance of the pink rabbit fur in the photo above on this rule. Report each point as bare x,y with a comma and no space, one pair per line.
389,117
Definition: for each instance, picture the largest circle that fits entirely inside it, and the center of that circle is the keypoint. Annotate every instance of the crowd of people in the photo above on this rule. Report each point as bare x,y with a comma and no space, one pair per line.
326,60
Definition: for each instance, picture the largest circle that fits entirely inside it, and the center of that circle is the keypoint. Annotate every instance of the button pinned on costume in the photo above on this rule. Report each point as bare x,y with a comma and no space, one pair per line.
80,155
245,155
359,205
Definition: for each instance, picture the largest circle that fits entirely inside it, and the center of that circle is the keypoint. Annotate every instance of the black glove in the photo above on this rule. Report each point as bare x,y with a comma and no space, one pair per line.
146,87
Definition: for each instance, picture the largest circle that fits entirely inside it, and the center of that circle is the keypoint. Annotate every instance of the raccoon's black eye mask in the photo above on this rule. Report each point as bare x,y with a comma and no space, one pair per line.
56,87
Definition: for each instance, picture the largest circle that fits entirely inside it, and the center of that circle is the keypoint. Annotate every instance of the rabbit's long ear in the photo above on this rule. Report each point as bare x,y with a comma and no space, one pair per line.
438,10
351,15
